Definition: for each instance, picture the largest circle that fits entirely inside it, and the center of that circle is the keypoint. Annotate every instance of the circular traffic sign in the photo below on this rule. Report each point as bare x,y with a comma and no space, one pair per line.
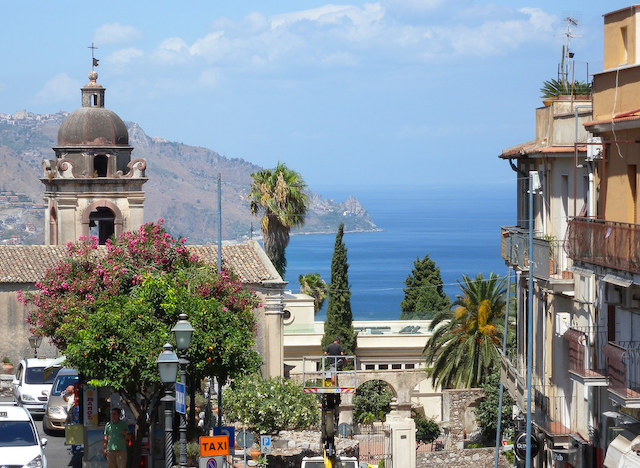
245,439
520,446
345,430
211,463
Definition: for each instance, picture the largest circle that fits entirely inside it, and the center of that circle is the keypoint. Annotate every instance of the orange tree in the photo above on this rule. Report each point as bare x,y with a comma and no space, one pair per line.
110,309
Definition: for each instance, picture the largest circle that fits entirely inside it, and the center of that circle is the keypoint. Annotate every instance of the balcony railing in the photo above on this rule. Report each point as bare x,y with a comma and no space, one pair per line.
586,365
605,243
623,366
515,246
550,414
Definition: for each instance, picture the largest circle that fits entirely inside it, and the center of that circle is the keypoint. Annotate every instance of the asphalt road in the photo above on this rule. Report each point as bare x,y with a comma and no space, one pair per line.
57,453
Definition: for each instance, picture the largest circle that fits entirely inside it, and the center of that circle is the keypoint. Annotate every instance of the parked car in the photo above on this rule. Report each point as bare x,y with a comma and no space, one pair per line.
55,413
32,385
19,441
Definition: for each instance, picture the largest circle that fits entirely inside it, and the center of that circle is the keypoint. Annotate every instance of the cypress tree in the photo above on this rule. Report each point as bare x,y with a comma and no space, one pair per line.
424,292
339,321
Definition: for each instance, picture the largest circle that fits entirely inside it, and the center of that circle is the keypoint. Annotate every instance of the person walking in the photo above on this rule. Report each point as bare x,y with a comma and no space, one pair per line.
115,445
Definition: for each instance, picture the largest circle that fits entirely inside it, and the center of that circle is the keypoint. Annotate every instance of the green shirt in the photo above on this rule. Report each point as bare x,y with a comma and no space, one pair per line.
116,436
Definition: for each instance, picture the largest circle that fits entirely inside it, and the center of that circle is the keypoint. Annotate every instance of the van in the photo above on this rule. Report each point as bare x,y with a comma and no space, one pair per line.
31,385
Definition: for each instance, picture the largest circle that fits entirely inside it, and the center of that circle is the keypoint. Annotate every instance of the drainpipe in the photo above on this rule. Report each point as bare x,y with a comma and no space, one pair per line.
504,352
575,169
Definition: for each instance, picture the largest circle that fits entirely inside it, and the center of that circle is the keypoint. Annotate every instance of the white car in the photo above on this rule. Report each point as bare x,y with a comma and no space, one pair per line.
20,445
32,385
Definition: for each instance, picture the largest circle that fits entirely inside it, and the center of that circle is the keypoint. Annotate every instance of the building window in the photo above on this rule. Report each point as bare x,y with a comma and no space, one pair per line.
383,366
369,367
396,366
100,165
409,366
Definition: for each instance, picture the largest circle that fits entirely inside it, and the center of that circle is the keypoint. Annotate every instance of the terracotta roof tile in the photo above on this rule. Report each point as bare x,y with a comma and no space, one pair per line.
532,147
28,263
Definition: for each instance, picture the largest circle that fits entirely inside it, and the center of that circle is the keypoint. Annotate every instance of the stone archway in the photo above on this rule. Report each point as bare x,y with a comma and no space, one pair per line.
102,211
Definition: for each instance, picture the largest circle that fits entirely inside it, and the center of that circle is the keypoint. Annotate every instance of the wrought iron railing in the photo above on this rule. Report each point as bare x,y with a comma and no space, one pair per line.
515,246
605,243
623,366
585,350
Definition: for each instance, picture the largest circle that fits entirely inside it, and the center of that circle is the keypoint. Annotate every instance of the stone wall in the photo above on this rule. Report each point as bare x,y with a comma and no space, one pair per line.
455,404
477,458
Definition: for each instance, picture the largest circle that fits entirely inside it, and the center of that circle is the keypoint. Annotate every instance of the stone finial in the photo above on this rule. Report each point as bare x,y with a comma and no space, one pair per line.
93,77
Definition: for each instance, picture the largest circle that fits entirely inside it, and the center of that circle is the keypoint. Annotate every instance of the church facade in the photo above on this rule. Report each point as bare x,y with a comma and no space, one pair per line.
94,186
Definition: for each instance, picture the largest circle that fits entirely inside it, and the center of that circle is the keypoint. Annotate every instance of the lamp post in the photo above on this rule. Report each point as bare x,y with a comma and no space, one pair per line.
168,369
182,332
34,342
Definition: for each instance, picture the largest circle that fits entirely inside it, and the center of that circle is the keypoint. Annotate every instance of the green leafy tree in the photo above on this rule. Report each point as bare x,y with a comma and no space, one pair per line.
463,350
424,291
339,322
279,194
372,402
487,410
270,405
110,309
427,430
313,285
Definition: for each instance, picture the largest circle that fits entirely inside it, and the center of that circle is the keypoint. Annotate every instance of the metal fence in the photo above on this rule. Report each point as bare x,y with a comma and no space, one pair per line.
606,243
374,444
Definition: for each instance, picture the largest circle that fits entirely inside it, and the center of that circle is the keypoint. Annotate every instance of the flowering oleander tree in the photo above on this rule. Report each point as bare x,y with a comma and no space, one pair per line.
110,309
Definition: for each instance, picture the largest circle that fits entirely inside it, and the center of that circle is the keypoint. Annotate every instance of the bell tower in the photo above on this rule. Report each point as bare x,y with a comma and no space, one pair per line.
92,187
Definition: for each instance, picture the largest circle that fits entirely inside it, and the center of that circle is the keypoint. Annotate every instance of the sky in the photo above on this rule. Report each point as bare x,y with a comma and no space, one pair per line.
359,94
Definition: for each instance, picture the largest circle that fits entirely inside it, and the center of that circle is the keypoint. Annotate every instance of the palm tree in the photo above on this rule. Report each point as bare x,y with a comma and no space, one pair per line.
313,285
280,195
463,350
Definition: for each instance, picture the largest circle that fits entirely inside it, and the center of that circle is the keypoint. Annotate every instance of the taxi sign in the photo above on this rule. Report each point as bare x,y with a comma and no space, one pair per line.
214,445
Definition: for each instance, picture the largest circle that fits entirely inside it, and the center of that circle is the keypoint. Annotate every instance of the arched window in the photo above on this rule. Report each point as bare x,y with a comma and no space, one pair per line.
102,224
100,165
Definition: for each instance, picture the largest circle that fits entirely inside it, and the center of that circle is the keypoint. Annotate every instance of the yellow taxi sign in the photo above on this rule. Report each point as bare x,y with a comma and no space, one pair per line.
214,445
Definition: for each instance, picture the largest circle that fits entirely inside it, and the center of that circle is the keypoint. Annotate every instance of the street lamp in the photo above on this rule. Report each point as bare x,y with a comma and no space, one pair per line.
34,342
182,332
168,369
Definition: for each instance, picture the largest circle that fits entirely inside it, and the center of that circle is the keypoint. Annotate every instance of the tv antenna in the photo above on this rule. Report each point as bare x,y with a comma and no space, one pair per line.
567,54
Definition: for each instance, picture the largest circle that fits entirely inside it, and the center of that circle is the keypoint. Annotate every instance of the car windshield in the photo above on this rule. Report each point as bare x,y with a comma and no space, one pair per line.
17,434
62,382
35,375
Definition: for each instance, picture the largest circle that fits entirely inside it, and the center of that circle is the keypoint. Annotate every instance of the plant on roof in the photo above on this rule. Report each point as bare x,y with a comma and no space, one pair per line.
554,88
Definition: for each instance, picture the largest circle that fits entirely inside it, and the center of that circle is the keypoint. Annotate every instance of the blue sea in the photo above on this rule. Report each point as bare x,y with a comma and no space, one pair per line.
458,227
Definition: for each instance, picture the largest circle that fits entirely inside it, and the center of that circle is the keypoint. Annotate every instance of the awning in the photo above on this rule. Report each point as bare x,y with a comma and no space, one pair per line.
620,455
617,280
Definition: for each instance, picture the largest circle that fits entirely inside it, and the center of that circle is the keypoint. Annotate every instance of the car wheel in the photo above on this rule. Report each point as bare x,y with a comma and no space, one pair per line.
45,425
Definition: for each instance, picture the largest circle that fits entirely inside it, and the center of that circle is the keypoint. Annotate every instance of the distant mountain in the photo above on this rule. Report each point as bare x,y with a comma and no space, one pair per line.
182,186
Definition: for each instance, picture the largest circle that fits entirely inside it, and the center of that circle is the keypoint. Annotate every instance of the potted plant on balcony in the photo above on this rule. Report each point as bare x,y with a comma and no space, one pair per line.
552,240
554,89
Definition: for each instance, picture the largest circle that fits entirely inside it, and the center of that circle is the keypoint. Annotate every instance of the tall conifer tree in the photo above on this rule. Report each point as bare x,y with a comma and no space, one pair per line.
339,321
424,294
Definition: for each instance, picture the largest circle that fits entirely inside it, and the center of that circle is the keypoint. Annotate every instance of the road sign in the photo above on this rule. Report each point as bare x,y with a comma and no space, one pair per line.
245,439
265,444
214,445
345,430
230,432
180,400
520,446
212,462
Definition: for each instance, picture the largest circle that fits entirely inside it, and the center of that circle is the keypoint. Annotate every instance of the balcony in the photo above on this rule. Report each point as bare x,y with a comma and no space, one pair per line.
623,365
549,416
605,243
585,366
513,377
515,247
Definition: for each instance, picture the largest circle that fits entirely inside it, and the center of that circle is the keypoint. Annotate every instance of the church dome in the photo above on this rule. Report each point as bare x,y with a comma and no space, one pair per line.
92,124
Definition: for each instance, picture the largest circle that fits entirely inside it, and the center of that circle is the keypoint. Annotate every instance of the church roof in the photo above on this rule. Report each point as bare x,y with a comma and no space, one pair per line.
28,263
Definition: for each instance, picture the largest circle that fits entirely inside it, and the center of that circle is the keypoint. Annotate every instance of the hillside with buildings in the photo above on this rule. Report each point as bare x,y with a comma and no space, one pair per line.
182,186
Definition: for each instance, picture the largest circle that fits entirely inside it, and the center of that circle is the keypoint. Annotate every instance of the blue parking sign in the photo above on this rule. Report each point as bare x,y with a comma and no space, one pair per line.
180,398
265,444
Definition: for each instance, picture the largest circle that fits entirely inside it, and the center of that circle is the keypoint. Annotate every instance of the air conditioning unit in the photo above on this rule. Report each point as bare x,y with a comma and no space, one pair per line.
563,320
594,150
